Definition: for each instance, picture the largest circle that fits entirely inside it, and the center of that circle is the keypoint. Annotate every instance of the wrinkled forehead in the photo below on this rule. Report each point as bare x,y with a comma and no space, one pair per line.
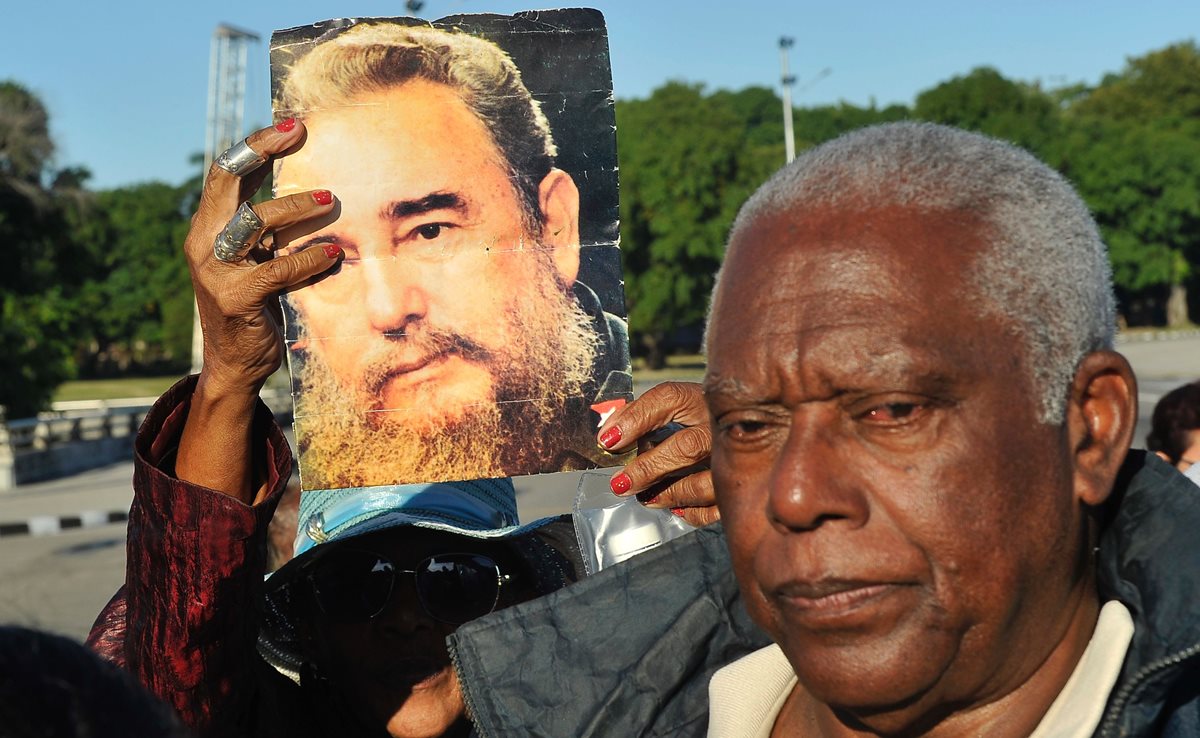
789,271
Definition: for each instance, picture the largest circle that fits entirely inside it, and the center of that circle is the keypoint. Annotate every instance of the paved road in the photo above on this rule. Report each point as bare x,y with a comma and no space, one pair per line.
59,582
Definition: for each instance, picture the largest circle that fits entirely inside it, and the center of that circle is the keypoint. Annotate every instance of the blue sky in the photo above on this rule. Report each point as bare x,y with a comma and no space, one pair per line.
125,81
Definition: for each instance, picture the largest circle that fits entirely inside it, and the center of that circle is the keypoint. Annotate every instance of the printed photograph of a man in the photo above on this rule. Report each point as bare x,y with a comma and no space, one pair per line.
475,325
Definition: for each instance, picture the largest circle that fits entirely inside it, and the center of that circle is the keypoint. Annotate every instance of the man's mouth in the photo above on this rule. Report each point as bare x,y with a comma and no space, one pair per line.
409,373
835,603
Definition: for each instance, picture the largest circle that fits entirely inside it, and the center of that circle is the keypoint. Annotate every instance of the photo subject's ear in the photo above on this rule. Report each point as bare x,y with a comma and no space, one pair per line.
1101,416
558,198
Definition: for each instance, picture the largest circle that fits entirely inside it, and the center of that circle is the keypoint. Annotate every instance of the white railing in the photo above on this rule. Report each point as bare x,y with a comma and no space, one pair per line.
80,435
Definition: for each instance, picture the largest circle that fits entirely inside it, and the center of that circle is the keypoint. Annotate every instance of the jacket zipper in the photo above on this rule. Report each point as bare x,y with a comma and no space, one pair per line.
1108,726
466,693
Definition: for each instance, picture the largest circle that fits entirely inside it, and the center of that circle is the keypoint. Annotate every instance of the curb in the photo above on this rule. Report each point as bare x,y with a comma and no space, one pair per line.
48,525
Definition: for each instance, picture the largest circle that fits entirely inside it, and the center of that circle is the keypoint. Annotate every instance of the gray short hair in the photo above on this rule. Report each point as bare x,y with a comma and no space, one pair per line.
373,57
1044,269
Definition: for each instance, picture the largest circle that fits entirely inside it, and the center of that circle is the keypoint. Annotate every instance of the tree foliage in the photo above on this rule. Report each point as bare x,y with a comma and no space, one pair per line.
686,165
37,310
987,102
688,161
96,282
139,305
1133,149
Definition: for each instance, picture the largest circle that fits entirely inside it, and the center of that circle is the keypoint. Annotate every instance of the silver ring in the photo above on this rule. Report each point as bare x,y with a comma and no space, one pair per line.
240,159
238,236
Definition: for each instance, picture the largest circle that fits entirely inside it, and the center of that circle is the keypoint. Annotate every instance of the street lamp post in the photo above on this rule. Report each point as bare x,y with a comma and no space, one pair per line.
789,139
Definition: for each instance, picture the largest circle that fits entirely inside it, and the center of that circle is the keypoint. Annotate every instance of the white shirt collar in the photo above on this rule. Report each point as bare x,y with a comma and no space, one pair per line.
746,696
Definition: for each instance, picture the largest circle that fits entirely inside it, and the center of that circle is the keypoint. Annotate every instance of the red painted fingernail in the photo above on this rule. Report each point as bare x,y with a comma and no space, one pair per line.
322,197
332,250
652,500
620,483
610,437
677,511
285,125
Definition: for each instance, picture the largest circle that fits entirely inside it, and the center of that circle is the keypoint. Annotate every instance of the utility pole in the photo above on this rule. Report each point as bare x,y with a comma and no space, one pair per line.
226,117
789,138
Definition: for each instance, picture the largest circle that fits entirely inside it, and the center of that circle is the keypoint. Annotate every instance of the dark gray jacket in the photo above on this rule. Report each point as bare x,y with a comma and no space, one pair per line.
1149,559
629,652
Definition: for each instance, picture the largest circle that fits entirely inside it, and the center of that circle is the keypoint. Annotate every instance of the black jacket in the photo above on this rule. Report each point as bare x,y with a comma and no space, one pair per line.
1149,559
629,652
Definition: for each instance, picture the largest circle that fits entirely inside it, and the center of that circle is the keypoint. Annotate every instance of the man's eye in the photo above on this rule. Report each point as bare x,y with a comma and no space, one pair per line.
430,231
743,430
893,413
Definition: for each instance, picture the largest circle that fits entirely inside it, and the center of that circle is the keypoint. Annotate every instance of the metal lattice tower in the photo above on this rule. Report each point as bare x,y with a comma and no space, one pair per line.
226,116
226,89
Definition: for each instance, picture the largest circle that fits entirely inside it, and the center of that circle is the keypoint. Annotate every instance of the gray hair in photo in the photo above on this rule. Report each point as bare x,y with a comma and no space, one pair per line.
372,57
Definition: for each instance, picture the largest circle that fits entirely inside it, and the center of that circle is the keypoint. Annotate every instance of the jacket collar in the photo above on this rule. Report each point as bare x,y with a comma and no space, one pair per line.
1149,559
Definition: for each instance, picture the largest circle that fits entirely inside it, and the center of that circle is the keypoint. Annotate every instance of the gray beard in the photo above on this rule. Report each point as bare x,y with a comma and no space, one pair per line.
342,444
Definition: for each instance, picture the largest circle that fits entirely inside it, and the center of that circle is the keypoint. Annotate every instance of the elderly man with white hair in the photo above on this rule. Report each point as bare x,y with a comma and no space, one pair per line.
920,449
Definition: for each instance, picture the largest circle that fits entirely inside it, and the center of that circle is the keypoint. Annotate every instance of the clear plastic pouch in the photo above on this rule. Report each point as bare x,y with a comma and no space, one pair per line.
612,529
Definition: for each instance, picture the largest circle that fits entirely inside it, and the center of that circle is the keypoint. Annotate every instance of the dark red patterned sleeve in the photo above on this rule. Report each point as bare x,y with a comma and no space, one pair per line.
187,622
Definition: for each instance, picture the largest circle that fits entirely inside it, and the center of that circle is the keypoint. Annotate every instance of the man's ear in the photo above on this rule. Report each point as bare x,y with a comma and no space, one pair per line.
1101,415
559,200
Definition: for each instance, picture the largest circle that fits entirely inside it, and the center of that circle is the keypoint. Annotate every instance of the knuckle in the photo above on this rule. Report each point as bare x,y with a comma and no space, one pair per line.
672,393
269,275
215,174
693,443
702,516
650,466
694,490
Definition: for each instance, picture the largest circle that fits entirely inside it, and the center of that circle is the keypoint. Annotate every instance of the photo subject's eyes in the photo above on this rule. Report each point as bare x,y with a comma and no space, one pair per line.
430,231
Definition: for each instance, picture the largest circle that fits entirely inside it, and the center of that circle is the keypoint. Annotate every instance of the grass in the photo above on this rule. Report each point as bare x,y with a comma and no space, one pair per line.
112,389
682,366
123,387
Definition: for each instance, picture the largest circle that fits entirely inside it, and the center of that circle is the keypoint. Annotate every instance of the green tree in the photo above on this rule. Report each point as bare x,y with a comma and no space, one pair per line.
987,102
687,163
1133,149
139,300
38,304
819,124
1161,87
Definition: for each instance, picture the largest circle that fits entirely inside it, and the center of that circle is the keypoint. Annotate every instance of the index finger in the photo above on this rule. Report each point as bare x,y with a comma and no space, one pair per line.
224,191
680,402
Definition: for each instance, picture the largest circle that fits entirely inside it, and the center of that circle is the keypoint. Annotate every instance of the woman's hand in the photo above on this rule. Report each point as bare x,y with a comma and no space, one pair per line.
239,312
674,473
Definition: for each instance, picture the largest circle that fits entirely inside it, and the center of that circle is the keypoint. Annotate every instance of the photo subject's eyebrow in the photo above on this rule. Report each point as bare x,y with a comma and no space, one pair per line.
434,201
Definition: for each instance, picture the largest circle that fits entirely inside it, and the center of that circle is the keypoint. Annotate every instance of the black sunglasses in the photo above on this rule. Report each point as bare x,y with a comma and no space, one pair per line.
354,585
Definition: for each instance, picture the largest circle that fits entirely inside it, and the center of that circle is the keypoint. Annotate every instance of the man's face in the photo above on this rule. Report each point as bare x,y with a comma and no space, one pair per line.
394,669
898,517
444,306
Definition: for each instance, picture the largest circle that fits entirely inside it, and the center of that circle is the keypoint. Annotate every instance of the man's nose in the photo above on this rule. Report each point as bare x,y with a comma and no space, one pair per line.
403,616
812,482
394,296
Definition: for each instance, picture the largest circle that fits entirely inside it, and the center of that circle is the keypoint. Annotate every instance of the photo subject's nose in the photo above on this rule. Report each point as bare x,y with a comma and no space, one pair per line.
393,299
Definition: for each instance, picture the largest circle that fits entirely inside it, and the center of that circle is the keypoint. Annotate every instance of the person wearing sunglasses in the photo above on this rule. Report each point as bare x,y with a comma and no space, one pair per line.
381,576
